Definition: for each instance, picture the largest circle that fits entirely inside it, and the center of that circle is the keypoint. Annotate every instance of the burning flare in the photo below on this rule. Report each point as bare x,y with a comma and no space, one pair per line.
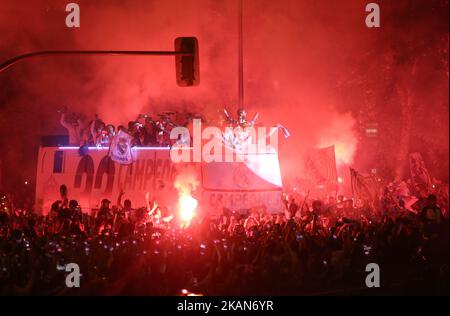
186,182
187,205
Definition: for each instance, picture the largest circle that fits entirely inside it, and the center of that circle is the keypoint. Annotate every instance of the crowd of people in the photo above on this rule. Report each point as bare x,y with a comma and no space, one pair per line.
310,247
144,130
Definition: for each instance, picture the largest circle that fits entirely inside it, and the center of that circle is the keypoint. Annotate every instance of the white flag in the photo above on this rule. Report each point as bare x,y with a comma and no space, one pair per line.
120,149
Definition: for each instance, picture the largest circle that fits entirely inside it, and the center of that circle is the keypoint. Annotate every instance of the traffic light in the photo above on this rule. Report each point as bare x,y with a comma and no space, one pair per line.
187,64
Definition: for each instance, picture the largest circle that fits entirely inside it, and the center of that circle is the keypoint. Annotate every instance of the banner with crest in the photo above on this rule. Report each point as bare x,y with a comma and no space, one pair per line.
320,167
120,149
364,187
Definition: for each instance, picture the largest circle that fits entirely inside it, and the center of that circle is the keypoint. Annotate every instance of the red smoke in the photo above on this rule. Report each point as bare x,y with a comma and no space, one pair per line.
297,56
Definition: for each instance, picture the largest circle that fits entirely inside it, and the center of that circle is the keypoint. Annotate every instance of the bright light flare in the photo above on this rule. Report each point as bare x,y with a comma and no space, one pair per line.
187,205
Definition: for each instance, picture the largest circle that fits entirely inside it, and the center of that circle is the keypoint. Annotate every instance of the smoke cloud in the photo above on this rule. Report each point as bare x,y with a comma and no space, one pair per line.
297,53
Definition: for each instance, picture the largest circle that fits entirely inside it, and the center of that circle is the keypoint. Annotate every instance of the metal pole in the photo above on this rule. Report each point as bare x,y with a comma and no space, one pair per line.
16,59
241,57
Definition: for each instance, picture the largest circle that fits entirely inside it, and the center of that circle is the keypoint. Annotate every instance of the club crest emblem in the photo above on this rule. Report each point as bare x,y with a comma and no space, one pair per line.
242,176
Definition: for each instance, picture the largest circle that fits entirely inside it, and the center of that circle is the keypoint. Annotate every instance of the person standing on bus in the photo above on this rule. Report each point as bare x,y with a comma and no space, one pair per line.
73,128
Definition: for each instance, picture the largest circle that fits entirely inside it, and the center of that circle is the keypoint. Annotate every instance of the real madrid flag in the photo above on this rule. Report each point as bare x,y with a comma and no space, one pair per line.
120,149
320,167
364,187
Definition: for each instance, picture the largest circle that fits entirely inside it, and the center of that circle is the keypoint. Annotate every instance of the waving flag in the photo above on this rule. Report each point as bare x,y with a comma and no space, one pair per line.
120,149
253,181
320,166
364,187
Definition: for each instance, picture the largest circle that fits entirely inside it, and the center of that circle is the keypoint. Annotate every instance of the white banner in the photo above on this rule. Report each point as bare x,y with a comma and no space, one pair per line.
120,150
253,182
